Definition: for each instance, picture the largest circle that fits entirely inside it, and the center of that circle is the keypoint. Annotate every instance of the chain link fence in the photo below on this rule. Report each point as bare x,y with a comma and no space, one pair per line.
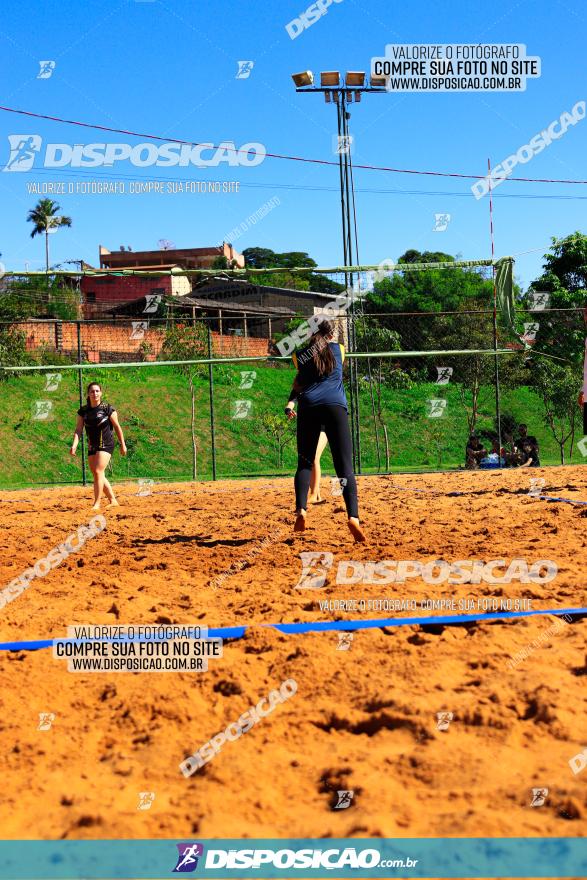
418,383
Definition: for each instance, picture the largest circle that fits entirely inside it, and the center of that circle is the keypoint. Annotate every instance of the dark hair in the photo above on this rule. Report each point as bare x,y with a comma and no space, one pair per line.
321,354
88,391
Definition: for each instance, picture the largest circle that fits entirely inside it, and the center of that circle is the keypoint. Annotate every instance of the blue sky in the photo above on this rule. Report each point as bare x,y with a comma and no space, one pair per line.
169,67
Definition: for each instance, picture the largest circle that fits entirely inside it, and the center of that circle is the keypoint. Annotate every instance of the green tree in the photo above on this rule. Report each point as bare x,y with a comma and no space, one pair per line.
435,433
222,262
567,262
184,343
468,295
414,256
374,373
14,307
45,219
26,297
557,386
13,352
373,336
320,283
295,260
564,279
279,430
471,372
290,327
431,290
264,258
283,279
508,423
260,258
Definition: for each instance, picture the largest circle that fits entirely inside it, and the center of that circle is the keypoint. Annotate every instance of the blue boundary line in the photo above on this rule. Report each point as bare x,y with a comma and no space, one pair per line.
237,632
565,500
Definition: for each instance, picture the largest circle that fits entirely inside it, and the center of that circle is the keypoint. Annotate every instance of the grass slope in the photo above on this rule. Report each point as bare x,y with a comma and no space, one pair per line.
154,407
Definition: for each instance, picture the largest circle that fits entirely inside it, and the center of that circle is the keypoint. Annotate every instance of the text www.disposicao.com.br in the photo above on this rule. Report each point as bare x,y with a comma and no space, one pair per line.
135,664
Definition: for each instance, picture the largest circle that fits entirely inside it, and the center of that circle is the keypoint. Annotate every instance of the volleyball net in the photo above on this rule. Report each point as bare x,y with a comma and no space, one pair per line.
198,365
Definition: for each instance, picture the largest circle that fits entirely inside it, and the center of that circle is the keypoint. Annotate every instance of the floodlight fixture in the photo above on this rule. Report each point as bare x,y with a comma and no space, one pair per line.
330,78
355,78
305,78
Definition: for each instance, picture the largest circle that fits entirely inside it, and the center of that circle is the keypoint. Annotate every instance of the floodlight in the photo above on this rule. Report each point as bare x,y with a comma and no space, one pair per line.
355,78
330,78
305,78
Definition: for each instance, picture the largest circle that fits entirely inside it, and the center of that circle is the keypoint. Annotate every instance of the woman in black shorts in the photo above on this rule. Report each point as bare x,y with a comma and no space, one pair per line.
323,407
99,420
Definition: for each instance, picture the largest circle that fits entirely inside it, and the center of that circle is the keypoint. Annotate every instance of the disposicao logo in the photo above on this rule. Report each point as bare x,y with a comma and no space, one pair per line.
187,860
25,147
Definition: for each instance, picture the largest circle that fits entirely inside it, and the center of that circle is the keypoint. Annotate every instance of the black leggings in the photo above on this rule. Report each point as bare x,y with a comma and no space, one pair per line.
334,421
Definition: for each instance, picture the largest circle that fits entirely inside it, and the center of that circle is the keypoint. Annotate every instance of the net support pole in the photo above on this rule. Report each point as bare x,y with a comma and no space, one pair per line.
211,389
80,383
343,146
354,308
340,111
496,359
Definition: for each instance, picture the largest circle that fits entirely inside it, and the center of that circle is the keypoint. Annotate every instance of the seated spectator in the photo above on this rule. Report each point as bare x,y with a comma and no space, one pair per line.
530,453
528,446
525,437
474,452
510,452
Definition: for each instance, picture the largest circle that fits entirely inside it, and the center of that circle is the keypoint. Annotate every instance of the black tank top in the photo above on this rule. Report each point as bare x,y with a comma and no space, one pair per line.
98,425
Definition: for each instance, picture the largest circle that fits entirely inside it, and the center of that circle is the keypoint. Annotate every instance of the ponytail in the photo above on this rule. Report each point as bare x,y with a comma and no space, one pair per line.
322,356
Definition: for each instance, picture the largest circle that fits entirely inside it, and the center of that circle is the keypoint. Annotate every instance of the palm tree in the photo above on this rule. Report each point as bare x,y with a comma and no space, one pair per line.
45,219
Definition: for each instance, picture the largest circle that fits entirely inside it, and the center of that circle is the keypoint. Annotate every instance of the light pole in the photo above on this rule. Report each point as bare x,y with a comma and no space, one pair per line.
342,94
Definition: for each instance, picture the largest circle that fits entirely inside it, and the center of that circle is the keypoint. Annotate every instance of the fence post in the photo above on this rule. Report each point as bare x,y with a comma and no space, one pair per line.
211,390
80,383
351,389
357,396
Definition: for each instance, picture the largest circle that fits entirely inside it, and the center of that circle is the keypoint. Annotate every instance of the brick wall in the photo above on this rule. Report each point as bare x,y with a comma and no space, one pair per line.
238,346
108,343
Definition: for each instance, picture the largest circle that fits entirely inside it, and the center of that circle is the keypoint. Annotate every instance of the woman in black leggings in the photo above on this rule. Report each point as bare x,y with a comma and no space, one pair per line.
323,407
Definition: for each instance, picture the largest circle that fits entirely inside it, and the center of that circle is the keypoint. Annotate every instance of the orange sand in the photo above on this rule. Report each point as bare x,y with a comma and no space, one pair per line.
362,719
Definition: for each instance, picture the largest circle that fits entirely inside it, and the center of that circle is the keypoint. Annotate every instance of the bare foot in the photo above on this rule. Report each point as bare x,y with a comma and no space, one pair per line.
356,530
300,523
314,499
113,503
96,507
